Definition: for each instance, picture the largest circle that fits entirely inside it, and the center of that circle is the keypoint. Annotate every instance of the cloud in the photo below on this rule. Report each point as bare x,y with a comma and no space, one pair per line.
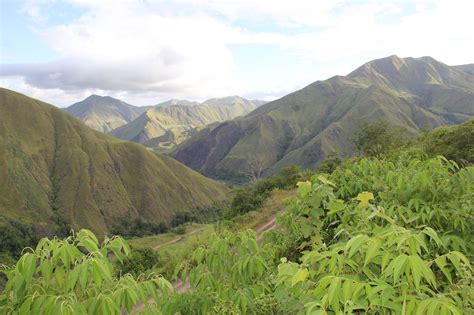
130,49
165,49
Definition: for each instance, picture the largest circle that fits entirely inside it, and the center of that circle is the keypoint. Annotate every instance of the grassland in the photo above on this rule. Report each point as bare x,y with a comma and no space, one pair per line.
54,169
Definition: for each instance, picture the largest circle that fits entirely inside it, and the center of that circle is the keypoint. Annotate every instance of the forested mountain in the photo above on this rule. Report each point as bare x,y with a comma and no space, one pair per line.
54,169
104,113
319,120
170,123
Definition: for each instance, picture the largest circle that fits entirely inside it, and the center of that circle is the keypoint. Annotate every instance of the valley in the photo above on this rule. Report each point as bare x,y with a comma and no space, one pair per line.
381,203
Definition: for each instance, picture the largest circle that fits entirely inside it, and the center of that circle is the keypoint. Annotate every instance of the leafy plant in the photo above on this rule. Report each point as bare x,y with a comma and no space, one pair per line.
75,276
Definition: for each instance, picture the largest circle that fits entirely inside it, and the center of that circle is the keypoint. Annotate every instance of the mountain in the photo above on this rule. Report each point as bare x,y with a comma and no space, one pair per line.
172,122
306,126
53,166
104,113
469,68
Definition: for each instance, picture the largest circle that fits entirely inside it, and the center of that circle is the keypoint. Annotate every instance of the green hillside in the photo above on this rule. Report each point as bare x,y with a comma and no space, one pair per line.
319,120
170,123
454,142
104,113
52,165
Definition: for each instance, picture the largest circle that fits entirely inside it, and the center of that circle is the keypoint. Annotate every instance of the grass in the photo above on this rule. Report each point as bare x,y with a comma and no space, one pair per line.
51,162
157,240
178,253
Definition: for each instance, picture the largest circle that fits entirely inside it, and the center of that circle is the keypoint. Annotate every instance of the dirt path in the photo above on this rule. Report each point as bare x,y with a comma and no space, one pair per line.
180,286
178,238
270,225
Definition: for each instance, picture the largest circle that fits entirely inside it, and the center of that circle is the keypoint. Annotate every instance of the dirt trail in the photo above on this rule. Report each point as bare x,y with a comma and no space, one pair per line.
270,225
178,238
180,286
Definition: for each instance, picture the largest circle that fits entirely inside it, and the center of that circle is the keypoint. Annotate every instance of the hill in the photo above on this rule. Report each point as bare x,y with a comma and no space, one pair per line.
104,113
319,120
172,122
53,168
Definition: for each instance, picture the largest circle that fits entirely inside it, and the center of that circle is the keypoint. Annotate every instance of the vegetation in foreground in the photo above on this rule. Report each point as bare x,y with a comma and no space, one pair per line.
388,236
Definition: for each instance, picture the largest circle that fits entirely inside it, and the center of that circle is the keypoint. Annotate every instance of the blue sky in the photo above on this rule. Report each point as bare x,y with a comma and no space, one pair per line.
147,51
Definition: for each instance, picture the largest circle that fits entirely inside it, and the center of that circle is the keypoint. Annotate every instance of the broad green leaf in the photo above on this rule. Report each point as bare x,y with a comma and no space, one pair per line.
364,198
304,188
300,276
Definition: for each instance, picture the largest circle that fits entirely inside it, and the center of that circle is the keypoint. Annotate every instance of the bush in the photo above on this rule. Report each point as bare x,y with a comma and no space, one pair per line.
252,197
137,228
139,261
15,235
180,230
454,142
379,138
329,165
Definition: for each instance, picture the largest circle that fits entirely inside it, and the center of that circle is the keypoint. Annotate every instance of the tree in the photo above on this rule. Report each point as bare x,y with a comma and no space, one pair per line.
378,138
255,168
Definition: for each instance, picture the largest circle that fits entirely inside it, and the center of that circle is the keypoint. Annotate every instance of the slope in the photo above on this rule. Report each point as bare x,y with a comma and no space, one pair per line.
170,123
306,126
104,113
51,165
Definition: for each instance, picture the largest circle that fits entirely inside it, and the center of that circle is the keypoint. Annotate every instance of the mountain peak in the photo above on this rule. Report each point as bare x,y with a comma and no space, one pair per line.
104,113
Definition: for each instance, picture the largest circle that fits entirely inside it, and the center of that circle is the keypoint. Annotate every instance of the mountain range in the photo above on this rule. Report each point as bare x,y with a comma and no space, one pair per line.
104,113
168,124
53,166
161,126
319,120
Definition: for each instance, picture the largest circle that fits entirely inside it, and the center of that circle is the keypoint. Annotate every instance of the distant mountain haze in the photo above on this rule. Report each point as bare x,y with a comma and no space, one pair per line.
104,113
53,166
168,124
308,125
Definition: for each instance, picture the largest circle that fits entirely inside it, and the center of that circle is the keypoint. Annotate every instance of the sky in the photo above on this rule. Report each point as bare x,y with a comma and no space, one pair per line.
147,51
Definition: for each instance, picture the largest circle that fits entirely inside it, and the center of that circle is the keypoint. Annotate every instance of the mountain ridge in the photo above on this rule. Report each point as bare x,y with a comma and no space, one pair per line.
52,165
104,113
306,126
162,127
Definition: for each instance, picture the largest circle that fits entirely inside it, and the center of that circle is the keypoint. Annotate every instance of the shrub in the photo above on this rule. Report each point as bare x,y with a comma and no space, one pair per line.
379,138
139,261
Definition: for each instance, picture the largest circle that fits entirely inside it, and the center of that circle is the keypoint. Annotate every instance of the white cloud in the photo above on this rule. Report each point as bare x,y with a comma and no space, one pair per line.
146,50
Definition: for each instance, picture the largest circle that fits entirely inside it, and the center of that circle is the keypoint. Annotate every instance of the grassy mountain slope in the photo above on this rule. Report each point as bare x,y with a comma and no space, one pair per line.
469,68
104,113
51,165
306,126
170,123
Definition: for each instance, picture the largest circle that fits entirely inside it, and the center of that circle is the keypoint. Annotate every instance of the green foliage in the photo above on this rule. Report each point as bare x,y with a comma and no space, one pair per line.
377,236
379,138
140,261
252,197
388,239
454,142
14,236
180,230
75,276
137,228
329,165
